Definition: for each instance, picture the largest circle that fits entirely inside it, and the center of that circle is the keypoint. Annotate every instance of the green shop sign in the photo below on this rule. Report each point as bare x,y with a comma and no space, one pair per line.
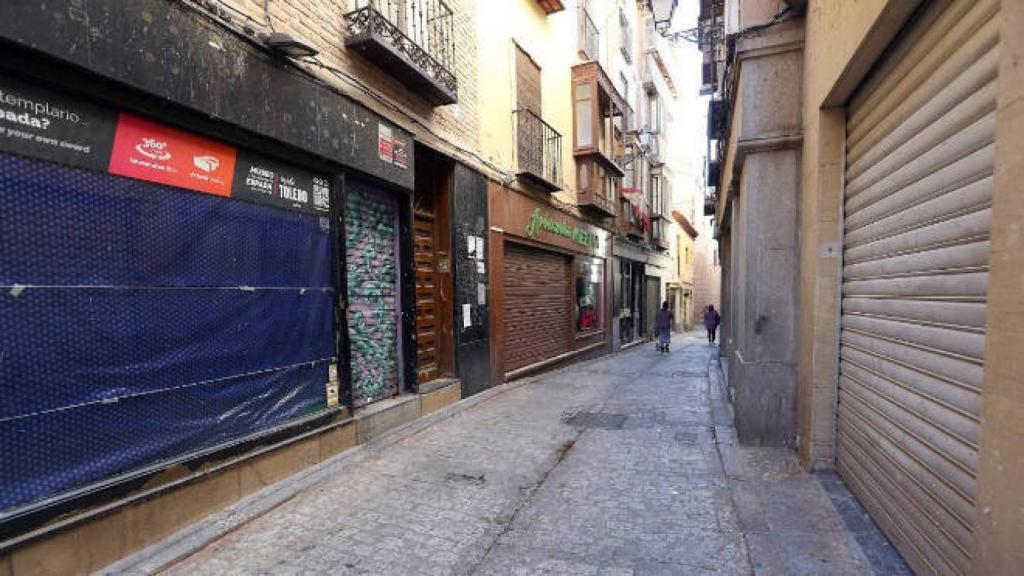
540,222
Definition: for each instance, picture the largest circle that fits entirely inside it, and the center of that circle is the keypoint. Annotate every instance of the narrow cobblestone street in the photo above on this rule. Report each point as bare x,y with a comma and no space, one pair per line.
623,465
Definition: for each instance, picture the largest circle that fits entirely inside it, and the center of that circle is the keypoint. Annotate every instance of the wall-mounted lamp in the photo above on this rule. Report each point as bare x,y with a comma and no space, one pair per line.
643,137
290,45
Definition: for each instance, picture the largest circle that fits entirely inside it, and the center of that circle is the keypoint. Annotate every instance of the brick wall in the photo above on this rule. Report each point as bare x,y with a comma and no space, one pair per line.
322,23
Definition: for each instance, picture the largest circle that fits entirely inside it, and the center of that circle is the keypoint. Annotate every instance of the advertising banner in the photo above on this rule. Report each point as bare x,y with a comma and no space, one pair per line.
43,124
265,181
46,125
150,151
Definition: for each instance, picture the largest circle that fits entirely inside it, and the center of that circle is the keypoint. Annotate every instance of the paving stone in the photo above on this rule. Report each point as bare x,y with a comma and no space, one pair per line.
623,465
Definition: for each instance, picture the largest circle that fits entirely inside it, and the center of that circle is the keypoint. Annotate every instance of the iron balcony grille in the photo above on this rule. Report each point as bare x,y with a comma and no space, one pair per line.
540,150
413,33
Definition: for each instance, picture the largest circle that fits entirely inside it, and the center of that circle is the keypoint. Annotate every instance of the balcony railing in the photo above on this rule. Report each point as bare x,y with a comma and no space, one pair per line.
414,40
540,150
589,37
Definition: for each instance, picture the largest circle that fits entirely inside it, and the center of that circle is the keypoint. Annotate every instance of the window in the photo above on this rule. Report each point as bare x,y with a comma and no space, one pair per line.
625,86
584,96
589,290
626,36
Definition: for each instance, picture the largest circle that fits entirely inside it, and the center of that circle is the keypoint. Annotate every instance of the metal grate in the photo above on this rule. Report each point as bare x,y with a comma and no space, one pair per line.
599,420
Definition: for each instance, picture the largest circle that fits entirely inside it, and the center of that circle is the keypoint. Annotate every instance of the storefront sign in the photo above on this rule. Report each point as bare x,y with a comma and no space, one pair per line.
150,151
267,181
43,124
541,222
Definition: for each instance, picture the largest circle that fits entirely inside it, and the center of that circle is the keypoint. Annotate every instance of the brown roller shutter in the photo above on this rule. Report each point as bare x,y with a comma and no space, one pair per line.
538,305
919,161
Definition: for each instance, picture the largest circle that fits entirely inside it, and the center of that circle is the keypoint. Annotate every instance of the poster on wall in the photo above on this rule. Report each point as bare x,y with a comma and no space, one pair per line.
265,181
400,151
385,143
43,124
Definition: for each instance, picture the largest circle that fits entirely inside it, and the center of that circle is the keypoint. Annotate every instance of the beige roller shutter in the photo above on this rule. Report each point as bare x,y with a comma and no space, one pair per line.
920,141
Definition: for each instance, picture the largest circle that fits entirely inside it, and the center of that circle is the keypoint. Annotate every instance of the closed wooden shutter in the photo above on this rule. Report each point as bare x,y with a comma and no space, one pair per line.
920,142
529,129
538,305
426,299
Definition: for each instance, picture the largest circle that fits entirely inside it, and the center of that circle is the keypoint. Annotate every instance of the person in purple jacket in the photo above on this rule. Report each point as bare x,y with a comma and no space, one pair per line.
663,326
711,321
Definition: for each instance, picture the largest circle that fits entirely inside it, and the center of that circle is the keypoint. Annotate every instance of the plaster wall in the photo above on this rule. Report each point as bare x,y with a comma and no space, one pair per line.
1000,528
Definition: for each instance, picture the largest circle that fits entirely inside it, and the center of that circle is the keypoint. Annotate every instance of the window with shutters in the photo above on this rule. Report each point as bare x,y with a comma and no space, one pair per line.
539,145
626,36
587,34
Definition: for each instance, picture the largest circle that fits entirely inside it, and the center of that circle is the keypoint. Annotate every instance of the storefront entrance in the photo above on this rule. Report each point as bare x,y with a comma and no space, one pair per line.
374,298
538,305
632,312
433,264
652,302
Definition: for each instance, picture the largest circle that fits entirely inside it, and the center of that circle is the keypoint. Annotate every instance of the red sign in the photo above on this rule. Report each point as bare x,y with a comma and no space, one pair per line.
150,151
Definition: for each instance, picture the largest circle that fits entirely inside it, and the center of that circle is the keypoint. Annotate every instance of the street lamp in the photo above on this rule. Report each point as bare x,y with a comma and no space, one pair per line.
643,137
662,11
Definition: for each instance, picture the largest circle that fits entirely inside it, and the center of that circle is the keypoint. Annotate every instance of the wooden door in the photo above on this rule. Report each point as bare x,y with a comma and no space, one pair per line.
435,349
427,367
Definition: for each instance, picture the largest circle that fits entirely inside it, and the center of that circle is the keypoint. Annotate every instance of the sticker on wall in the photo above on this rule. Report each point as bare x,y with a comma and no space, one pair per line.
149,151
385,143
46,125
480,267
467,316
481,294
480,247
400,151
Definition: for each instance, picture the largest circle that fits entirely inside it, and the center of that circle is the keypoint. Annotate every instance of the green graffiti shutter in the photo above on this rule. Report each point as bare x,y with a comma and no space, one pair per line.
371,250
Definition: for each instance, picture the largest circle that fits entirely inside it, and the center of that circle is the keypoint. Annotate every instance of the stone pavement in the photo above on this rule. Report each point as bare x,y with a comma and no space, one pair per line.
622,465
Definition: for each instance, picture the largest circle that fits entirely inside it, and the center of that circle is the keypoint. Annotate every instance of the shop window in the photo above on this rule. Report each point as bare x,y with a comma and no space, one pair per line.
589,290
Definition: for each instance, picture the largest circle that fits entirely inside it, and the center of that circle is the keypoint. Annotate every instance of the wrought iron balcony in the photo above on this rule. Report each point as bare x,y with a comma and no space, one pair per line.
540,150
414,40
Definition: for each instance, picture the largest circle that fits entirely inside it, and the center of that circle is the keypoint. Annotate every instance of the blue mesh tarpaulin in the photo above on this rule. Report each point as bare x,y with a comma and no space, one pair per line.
140,323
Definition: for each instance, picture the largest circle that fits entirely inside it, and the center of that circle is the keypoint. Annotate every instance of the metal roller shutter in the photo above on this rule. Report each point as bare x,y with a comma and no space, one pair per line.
371,236
920,140
537,305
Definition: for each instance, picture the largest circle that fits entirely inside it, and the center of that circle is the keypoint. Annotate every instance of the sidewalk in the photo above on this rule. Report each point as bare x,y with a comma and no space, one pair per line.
622,465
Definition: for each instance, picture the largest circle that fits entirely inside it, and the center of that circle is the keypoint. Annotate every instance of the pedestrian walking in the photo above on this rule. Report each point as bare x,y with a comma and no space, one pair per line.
663,325
711,321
